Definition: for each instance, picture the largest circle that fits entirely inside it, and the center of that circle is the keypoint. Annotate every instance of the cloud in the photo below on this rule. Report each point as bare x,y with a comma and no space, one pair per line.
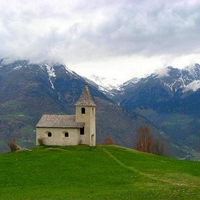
162,72
78,31
167,28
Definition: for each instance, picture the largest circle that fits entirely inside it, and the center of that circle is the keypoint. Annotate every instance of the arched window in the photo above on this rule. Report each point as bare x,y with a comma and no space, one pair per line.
49,134
66,134
82,110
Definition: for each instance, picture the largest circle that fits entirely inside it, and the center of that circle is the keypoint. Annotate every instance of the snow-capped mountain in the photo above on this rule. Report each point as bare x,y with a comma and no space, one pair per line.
167,98
170,99
28,90
185,79
166,87
173,79
106,83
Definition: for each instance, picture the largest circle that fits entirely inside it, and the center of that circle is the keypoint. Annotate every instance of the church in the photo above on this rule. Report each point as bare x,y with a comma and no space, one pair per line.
64,130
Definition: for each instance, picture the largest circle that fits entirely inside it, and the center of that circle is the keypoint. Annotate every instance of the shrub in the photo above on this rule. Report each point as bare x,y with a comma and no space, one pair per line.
79,142
41,141
108,141
12,145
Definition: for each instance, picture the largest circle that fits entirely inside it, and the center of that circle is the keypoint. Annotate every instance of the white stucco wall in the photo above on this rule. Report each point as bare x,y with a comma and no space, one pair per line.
89,118
58,136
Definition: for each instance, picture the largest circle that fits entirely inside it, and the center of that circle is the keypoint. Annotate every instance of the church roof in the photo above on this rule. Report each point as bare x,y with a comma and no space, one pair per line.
59,121
85,99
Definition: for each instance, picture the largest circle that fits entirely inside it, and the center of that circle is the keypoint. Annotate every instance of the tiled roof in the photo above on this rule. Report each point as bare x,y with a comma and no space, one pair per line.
57,121
85,99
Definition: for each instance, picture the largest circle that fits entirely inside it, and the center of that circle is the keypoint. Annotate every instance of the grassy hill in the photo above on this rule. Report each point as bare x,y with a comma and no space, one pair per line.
102,172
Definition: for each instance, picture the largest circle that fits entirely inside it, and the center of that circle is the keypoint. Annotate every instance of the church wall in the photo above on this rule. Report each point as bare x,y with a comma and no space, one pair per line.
58,136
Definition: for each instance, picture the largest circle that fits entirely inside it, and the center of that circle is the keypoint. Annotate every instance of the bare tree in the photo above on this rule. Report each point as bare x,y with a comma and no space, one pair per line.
159,147
145,142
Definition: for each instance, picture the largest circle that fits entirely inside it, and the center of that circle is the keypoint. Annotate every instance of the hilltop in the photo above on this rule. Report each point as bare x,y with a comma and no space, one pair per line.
164,102
29,90
101,172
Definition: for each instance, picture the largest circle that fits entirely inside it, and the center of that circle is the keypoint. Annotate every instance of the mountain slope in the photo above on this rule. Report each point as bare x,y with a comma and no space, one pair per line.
29,90
162,91
170,99
101,172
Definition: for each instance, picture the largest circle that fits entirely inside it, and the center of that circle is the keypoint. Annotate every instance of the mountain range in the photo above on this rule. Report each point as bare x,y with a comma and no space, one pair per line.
28,90
170,99
166,101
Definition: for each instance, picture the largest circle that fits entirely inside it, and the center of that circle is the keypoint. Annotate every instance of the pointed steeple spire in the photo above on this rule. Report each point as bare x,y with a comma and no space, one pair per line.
85,99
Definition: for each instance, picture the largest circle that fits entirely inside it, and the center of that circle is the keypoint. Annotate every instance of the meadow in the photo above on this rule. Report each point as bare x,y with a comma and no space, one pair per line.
101,172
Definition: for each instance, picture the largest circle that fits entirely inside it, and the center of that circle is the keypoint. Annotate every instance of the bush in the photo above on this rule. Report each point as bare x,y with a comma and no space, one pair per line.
80,142
12,145
108,141
41,141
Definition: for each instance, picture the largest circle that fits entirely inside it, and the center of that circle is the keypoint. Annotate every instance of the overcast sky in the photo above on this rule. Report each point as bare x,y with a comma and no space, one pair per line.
113,38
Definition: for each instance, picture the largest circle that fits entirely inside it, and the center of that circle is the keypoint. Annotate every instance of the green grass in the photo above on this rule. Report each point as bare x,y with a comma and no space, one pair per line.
102,172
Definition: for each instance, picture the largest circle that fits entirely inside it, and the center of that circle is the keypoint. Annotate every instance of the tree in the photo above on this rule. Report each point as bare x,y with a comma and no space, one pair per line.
108,141
145,142
159,147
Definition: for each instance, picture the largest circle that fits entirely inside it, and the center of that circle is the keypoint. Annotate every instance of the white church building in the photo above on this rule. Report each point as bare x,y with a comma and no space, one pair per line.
64,130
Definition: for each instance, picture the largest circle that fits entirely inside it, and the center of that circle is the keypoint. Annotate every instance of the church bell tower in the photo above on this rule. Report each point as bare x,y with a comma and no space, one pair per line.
86,112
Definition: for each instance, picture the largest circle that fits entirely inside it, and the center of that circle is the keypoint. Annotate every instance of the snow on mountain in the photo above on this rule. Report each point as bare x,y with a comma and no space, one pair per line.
194,86
106,83
174,79
50,70
130,82
186,79
18,67
68,70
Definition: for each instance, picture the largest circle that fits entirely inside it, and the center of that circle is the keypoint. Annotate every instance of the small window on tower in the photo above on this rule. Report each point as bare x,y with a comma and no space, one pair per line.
82,110
82,131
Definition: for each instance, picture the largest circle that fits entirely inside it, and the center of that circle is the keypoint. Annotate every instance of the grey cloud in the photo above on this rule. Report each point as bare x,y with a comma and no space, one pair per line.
153,31
100,29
